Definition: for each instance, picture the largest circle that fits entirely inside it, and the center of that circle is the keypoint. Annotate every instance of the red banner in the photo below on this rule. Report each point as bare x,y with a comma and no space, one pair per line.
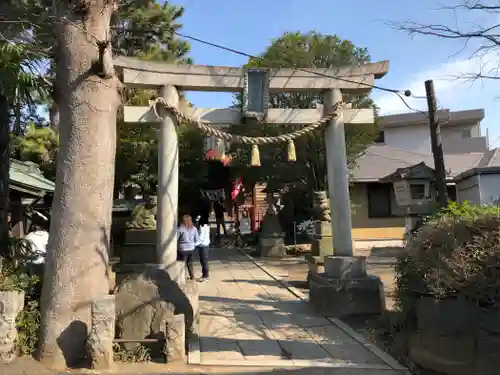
237,185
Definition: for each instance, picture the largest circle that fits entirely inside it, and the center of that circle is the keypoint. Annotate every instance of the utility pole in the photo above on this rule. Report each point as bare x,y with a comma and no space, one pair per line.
437,146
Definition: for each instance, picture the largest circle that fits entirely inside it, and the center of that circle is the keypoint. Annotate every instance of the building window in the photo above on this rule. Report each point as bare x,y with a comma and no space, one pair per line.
466,134
380,137
379,200
417,191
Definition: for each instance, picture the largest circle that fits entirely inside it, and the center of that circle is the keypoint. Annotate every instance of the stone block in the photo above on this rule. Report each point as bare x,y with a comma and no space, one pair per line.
147,299
341,267
111,280
336,297
102,333
272,245
452,355
191,290
140,237
322,244
138,254
316,265
11,304
175,346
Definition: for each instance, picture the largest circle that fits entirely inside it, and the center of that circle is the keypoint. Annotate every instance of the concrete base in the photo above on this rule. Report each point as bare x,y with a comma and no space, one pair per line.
345,289
340,298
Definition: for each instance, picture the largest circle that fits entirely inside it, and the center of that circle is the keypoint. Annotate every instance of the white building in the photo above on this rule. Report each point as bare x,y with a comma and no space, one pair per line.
460,132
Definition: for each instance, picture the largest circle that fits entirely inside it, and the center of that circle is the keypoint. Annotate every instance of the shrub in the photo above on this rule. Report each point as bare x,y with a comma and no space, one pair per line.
28,325
15,275
455,254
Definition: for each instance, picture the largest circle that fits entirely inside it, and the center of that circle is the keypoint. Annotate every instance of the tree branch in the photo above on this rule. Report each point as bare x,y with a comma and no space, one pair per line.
486,38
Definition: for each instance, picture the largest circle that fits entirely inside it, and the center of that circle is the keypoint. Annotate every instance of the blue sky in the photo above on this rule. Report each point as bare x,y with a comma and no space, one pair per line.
250,26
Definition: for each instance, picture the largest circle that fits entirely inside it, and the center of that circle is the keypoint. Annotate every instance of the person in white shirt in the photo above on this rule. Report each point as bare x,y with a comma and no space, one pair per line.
38,238
203,245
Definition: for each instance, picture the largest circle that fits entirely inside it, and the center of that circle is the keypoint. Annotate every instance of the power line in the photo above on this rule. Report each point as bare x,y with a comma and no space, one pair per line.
241,53
406,93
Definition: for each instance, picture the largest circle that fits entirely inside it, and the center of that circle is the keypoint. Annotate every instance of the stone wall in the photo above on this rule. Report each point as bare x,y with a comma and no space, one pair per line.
456,337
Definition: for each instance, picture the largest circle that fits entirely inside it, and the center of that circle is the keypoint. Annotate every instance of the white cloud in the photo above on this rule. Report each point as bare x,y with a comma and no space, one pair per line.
452,91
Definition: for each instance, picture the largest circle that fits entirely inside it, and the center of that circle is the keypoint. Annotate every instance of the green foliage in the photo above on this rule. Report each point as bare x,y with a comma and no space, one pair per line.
16,253
304,50
456,254
22,83
139,354
193,170
142,218
16,281
14,276
464,210
39,145
137,148
143,28
28,325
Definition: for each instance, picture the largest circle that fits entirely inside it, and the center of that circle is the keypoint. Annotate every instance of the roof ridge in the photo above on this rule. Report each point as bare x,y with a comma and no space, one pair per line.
401,149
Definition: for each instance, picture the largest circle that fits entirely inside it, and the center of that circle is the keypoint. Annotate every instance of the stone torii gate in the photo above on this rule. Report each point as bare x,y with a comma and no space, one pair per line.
169,78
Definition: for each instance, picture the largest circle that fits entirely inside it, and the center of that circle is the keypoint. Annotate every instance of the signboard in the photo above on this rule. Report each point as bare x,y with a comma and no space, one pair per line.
214,194
402,192
245,227
412,193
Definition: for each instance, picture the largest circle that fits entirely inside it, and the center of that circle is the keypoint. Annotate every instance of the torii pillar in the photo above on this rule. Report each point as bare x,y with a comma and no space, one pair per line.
345,288
168,189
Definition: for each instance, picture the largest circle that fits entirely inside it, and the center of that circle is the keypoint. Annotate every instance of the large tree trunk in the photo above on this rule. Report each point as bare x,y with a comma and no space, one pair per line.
77,254
4,171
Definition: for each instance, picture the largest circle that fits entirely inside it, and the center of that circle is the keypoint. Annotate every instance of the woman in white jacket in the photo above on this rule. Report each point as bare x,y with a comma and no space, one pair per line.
203,245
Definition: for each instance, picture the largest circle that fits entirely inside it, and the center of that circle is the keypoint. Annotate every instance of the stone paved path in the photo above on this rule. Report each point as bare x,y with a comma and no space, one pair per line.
249,319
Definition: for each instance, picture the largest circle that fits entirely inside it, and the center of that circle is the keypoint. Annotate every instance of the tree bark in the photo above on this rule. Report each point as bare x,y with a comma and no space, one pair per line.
4,171
76,271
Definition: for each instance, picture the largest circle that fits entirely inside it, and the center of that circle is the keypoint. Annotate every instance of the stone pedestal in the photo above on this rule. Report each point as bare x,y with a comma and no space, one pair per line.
272,245
102,333
175,345
138,254
322,244
11,304
271,238
316,266
149,304
345,288
140,237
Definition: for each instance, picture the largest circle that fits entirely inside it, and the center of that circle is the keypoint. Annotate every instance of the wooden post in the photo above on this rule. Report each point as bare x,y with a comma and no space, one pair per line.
338,179
168,188
437,147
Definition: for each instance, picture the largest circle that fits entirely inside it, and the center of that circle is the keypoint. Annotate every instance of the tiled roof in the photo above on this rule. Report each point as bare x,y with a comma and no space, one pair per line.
380,161
29,175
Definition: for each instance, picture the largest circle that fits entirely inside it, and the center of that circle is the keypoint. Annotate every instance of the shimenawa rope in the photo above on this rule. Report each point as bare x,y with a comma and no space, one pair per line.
254,141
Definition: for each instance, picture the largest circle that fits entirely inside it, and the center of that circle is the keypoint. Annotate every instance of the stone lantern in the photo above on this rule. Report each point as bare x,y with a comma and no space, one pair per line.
272,238
414,192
